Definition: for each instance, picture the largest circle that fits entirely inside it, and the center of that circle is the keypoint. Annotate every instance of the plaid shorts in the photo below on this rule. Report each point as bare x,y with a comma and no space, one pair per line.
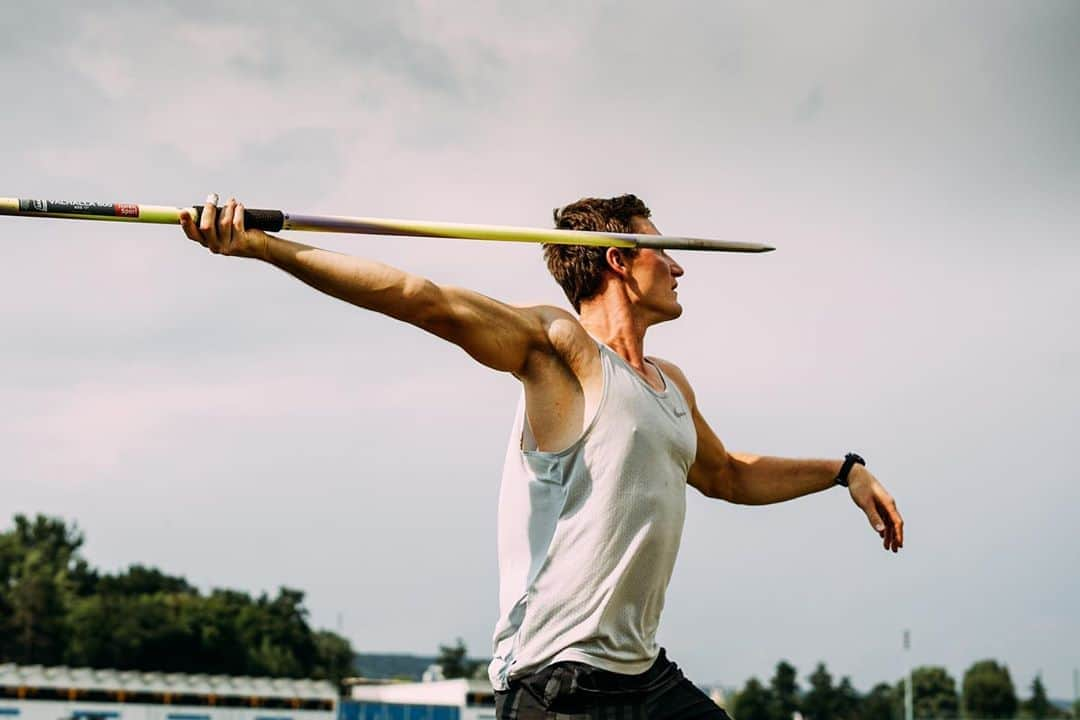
575,691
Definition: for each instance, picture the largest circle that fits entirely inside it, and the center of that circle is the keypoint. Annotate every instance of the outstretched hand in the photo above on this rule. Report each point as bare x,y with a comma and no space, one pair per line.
879,506
224,233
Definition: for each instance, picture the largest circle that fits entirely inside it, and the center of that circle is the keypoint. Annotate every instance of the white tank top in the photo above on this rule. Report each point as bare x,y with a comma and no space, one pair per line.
588,536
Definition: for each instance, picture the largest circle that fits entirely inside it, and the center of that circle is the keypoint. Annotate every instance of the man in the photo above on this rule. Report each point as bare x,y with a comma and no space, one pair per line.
593,493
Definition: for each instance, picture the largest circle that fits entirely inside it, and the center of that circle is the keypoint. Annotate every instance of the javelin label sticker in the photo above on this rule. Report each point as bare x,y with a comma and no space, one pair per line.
33,206
68,207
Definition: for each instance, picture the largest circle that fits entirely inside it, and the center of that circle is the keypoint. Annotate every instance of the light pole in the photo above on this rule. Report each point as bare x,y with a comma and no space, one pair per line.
909,705
1076,693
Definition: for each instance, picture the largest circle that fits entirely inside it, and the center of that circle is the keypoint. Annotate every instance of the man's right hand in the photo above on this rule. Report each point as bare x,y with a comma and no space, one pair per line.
224,233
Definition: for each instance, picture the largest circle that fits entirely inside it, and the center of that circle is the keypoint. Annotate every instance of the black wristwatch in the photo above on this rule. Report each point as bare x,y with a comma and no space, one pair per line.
850,460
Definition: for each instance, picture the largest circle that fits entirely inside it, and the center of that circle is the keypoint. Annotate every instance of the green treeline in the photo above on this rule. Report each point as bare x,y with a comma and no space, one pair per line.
987,692
55,609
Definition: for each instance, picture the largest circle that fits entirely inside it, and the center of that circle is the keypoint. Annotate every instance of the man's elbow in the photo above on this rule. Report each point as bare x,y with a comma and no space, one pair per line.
732,483
427,305
719,484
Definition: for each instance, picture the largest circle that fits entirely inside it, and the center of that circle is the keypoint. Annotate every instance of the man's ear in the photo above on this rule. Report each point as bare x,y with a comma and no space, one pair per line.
616,261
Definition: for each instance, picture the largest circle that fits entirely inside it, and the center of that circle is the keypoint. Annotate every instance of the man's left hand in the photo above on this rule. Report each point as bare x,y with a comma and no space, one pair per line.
879,506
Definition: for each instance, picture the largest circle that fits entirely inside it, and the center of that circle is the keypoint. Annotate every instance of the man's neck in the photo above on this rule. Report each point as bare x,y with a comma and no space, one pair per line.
612,321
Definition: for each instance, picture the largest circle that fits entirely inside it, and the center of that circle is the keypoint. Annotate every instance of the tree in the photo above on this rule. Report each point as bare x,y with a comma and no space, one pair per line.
278,629
989,691
55,609
820,700
824,701
129,633
754,702
933,691
336,659
785,691
1039,706
454,660
878,704
39,565
846,701
36,623
141,580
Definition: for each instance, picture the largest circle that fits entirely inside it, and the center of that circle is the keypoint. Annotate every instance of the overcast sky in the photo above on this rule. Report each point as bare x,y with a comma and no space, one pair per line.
917,166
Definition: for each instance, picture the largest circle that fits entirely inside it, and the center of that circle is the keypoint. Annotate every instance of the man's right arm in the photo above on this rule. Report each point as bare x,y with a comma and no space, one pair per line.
498,335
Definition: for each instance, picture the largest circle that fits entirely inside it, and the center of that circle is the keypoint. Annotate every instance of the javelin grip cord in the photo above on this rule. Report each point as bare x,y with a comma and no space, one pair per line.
267,220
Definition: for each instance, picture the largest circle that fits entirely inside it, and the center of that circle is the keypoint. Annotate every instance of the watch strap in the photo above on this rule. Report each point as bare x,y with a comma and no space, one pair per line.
850,461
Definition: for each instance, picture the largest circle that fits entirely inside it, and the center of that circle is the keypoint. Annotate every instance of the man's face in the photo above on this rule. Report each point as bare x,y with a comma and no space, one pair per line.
653,276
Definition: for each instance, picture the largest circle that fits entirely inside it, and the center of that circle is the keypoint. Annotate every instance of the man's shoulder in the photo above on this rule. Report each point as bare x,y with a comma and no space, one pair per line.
566,339
556,321
676,374
666,365
549,313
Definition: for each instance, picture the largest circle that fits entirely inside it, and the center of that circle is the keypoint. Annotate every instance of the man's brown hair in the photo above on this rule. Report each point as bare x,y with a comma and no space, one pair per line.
579,269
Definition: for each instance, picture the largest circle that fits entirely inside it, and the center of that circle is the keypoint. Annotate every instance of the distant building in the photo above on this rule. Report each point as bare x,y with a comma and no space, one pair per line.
458,699
33,692
401,666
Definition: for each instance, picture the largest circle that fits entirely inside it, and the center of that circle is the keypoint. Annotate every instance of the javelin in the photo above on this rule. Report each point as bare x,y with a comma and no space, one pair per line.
275,220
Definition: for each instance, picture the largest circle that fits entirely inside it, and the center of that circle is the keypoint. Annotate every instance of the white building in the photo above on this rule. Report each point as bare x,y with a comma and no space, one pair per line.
32,692
458,699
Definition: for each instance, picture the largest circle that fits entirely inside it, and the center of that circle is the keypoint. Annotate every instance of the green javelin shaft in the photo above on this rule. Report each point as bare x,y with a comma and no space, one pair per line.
275,220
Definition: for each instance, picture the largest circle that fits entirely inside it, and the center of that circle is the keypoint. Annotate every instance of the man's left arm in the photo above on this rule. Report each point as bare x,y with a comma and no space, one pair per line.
757,480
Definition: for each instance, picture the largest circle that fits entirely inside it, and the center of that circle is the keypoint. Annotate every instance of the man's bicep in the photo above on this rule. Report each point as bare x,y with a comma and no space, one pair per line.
713,470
